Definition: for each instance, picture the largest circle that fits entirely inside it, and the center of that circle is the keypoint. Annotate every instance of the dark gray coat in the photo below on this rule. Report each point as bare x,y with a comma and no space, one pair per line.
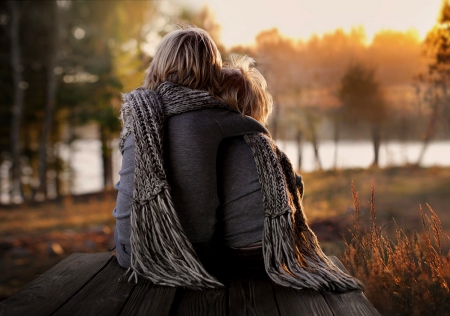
213,179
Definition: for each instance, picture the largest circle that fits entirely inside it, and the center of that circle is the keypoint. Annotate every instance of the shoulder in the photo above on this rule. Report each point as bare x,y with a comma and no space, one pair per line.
225,122
218,120
197,122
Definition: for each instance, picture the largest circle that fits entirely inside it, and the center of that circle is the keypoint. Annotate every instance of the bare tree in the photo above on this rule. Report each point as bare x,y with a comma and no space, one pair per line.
52,86
336,118
275,57
312,125
299,149
363,101
431,126
19,94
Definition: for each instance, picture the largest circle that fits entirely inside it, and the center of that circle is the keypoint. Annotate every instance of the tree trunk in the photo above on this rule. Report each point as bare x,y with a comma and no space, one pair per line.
106,159
315,144
299,149
59,169
336,140
17,109
376,140
52,86
312,131
275,118
70,175
431,128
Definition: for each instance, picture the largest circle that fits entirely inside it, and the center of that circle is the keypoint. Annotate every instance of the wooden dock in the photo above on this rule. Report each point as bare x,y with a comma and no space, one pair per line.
86,284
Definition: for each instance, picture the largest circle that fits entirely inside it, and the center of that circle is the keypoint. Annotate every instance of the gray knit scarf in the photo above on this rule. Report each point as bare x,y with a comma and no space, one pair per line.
160,250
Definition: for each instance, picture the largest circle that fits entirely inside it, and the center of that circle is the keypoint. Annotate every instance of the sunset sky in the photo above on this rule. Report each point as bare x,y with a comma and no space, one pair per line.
241,20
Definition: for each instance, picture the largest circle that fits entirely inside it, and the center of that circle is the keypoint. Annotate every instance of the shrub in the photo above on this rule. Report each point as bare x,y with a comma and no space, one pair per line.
407,277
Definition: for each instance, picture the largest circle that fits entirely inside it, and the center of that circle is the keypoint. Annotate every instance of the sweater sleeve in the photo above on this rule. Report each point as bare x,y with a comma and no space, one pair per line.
122,210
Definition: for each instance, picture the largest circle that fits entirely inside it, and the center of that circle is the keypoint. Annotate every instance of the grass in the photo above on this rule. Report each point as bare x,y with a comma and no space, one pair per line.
400,191
35,219
403,275
34,237
409,275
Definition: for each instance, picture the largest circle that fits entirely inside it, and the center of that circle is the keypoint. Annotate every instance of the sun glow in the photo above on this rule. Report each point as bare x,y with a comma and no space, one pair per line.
242,20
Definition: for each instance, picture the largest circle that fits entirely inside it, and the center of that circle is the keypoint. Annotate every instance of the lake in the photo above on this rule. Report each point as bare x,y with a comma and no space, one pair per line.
84,158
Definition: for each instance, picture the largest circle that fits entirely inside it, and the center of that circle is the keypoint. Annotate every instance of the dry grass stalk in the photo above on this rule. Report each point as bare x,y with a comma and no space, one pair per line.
405,277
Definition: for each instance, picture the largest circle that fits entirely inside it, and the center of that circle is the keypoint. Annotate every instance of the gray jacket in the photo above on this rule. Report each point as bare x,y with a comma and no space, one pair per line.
213,178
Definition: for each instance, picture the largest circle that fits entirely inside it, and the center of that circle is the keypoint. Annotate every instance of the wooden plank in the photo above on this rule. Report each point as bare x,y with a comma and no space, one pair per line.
103,295
350,303
252,296
48,292
199,303
300,302
149,299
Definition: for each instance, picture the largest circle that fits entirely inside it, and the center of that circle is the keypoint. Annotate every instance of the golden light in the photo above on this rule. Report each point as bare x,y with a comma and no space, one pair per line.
241,20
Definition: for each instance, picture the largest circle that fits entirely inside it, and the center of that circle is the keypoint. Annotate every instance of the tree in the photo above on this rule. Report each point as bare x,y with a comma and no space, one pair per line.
336,117
102,52
124,26
437,78
19,94
6,78
276,59
362,100
312,125
26,49
77,56
59,8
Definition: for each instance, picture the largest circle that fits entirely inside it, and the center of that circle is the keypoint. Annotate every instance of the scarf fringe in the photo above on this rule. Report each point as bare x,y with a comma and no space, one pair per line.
304,266
292,255
160,251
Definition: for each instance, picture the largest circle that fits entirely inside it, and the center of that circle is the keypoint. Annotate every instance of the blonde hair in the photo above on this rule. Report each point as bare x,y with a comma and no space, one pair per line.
188,57
244,88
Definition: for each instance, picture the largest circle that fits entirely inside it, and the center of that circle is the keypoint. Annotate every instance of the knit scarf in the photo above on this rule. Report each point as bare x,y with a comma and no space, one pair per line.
160,250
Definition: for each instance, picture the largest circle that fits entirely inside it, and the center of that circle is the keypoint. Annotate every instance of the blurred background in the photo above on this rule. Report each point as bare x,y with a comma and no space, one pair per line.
360,93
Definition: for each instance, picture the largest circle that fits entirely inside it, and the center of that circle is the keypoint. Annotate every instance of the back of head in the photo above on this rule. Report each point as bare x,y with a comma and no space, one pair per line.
244,88
187,57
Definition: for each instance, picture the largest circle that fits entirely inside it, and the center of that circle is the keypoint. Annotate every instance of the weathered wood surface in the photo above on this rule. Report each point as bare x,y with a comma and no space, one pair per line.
301,302
351,303
199,303
148,299
87,284
51,290
103,295
252,296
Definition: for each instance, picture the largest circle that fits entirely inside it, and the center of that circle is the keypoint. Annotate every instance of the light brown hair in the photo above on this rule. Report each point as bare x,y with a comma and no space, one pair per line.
244,88
188,57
